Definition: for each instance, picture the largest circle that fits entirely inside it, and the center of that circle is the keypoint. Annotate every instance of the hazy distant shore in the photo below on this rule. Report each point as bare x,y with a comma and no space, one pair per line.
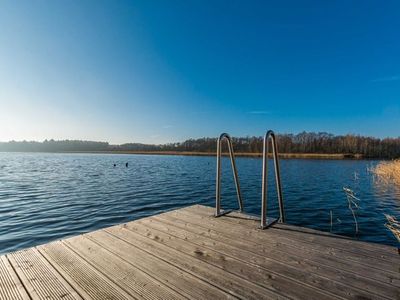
238,154
303,145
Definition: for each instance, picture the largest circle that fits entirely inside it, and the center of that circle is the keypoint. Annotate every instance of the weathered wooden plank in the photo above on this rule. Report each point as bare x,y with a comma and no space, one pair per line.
373,250
82,275
274,247
368,248
10,285
213,276
348,285
134,252
327,247
41,280
190,254
262,277
122,273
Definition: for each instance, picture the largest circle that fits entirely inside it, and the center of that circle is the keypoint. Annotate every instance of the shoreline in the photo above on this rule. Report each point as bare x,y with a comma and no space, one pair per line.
333,156
244,154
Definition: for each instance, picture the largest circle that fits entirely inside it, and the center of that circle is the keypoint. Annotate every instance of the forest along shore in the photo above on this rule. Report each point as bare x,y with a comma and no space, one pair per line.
302,145
237,154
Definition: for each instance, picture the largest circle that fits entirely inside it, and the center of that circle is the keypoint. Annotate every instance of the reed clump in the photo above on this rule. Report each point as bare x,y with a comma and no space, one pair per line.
393,225
388,172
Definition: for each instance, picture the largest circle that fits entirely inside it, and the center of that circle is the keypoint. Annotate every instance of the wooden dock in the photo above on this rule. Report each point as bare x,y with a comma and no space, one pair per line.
189,254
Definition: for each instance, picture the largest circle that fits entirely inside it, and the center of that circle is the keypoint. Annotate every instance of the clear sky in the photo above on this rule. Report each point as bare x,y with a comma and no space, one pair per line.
161,71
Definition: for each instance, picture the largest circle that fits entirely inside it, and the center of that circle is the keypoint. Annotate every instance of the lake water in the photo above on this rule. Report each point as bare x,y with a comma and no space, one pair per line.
44,197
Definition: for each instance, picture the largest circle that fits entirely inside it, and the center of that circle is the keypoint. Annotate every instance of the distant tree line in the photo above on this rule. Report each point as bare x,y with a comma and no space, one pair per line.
53,146
305,142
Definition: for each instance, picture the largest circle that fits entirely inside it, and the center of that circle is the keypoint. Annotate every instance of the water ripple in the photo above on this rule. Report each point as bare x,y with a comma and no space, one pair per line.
44,197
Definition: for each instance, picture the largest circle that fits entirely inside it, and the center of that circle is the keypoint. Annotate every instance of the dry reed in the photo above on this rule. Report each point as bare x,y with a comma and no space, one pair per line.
388,172
393,225
352,204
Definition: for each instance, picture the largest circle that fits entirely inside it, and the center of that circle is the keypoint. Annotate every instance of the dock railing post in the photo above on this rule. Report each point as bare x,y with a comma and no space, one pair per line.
226,137
270,135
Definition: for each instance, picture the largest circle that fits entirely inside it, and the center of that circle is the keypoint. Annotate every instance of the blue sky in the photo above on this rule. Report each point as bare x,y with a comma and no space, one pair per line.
161,71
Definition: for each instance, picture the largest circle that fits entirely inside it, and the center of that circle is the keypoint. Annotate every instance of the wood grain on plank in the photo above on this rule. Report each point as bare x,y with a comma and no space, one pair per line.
270,274
328,246
209,275
189,254
311,235
279,247
268,280
81,275
40,279
122,273
136,253
10,285
347,284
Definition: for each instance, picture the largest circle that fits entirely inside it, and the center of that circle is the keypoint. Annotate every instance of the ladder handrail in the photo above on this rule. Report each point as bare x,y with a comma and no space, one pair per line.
270,135
225,136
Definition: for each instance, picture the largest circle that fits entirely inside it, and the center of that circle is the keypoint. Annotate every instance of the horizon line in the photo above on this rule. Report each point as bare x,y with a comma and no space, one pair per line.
195,138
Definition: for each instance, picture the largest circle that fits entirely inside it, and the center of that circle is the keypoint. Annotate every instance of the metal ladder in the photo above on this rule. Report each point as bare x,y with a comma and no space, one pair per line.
265,222
218,211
